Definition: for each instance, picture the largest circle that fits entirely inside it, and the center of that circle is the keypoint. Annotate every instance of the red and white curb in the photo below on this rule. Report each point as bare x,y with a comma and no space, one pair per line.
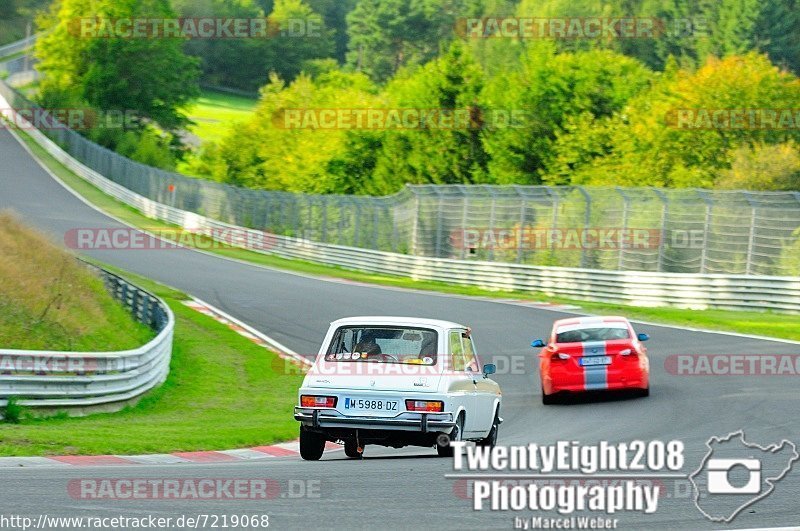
247,331
276,451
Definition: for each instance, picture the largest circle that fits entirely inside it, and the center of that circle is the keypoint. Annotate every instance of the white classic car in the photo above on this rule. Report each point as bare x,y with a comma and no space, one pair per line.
397,381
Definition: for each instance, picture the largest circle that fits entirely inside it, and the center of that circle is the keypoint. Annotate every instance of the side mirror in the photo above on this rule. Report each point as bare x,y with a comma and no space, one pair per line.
643,337
489,368
538,344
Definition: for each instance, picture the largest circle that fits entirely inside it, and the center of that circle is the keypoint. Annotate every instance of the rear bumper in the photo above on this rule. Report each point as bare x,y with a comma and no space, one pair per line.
623,373
552,386
414,422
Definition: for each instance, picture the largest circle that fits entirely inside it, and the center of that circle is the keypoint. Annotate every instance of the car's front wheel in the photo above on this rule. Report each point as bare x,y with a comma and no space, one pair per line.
312,444
443,447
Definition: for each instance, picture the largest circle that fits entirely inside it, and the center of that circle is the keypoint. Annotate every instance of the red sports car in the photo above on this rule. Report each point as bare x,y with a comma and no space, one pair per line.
593,354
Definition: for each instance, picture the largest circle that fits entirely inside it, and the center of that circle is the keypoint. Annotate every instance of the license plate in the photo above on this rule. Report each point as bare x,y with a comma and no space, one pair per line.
359,404
597,360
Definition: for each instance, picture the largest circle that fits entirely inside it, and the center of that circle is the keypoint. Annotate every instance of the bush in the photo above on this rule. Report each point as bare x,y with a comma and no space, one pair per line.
145,146
763,167
12,413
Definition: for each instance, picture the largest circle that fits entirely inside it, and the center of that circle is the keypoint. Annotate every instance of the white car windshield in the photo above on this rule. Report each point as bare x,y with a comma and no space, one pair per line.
411,346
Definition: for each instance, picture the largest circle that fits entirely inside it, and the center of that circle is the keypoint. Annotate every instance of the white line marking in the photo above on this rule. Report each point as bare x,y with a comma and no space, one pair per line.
6,462
280,347
155,459
246,454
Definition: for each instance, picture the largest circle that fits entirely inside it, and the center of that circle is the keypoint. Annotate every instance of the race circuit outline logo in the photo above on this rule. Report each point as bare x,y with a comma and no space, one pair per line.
718,488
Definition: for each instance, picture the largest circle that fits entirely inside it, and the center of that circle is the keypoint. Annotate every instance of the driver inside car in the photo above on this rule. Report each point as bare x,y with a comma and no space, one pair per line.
369,346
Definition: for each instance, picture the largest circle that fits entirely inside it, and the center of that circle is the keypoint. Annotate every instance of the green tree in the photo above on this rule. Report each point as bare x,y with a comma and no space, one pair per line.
386,35
440,155
271,153
763,167
647,143
293,50
549,88
297,35
335,14
777,32
741,26
150,77
8,9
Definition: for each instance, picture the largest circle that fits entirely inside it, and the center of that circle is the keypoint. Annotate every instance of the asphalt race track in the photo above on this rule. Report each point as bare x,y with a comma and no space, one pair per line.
407,488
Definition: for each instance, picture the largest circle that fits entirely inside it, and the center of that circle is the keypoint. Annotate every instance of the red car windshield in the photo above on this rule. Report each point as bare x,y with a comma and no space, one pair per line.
584,335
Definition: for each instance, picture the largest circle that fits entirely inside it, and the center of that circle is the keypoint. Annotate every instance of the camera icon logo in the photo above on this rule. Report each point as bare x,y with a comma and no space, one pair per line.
735,474
719,481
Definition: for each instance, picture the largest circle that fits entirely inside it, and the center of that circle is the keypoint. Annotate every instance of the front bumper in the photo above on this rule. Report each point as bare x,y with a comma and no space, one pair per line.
416,422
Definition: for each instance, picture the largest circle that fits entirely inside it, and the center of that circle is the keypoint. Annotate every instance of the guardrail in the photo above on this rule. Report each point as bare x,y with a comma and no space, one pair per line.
18,46
682,290
55,380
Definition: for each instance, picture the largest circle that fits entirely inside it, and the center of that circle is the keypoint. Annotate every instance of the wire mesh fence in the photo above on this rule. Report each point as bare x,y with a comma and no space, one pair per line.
634,229
641,229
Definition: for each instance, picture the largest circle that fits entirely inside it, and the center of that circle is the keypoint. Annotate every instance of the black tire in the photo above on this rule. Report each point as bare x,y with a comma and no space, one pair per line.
351,450
445,450
549,400
643,393
312,445
491,439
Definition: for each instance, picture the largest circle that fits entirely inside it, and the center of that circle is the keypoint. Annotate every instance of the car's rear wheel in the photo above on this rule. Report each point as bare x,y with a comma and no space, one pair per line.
443,447
644,392
312,444
491,439
351,450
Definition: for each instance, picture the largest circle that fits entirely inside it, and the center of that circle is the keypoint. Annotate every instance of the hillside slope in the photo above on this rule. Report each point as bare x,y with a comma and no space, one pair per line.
50,301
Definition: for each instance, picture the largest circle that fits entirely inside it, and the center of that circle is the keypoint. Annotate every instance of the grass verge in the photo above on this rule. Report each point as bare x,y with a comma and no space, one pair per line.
49,301
215,113
223,392
748,322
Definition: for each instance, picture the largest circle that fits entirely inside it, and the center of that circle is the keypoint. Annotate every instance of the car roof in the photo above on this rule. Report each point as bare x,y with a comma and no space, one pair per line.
590,321
396,321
